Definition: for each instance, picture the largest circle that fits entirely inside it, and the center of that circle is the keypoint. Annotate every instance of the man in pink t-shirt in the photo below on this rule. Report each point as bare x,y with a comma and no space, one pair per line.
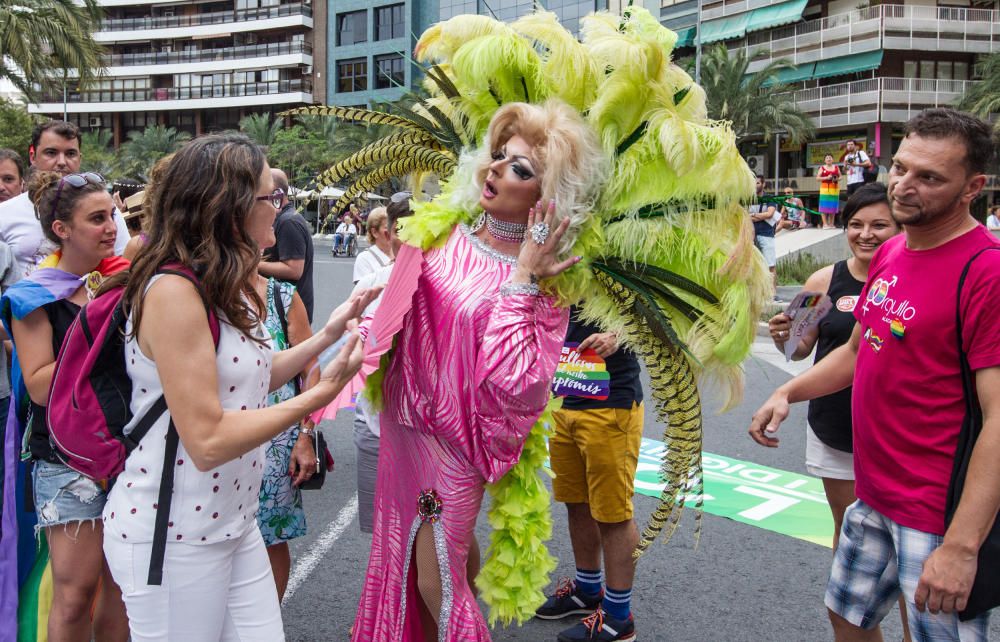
908,401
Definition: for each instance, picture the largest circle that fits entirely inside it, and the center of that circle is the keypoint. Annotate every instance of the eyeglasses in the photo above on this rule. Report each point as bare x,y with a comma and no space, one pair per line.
76,181
274,198
399,197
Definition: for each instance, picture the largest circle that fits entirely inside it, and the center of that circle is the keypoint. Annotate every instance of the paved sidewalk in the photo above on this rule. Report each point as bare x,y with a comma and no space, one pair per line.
787,242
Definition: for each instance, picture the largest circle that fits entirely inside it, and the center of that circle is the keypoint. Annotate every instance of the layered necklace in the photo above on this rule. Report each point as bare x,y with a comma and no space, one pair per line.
501,230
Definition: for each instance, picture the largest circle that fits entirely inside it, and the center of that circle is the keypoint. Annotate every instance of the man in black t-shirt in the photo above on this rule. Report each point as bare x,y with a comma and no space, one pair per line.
594,454
291,258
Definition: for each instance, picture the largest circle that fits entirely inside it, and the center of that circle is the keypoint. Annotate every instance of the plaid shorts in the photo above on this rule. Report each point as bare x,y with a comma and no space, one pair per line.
877,559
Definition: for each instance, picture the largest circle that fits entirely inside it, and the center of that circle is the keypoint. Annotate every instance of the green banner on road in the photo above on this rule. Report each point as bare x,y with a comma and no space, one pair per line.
772,499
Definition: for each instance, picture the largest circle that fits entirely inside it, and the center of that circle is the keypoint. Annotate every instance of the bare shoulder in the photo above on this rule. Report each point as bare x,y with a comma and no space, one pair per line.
819,281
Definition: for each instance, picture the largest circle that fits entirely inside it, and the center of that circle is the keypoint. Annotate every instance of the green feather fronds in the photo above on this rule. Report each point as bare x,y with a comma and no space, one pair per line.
518,563
566,66
353,114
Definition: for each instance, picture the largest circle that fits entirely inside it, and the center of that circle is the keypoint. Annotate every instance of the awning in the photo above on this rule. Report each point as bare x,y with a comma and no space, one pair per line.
776,15
685,37
848,64
794,74
724,28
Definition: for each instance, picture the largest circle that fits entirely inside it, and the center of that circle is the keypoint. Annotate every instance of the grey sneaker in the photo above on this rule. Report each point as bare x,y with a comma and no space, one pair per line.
568,600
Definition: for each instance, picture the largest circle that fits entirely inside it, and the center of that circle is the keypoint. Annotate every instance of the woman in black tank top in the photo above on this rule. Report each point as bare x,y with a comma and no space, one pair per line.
868,224
76,214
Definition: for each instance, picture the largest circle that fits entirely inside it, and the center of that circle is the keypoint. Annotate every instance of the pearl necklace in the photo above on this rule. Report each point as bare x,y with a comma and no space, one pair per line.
502,230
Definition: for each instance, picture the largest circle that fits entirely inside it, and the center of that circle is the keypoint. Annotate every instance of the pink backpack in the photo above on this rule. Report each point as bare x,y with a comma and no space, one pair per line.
90,401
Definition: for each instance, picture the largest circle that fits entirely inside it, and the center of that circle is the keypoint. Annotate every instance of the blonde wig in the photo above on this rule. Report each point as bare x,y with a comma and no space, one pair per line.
566,154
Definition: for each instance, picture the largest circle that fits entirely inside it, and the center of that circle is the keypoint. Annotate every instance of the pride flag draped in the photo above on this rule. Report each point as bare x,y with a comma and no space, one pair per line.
25,576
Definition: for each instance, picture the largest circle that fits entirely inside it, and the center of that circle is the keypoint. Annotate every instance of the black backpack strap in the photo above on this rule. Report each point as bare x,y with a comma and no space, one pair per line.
142,427
163,508
973,423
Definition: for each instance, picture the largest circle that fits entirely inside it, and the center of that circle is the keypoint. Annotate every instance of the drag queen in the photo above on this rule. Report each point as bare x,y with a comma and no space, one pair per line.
471,369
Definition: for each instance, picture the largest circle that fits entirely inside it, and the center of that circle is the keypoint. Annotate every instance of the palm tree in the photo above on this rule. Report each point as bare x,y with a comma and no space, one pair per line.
755,103
983,98
261,129
143,149
96,153
45,42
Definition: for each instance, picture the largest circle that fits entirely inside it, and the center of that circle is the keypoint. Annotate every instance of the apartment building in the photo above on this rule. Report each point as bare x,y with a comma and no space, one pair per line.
859,71
197,65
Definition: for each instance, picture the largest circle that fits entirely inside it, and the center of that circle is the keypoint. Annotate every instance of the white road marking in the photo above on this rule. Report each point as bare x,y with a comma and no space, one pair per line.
308,562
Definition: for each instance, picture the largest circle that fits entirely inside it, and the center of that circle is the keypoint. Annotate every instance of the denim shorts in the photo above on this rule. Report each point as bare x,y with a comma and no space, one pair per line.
64,496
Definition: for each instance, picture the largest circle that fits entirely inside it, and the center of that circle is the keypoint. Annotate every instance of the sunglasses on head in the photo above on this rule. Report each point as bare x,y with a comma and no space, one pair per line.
399,197
274,198
76,181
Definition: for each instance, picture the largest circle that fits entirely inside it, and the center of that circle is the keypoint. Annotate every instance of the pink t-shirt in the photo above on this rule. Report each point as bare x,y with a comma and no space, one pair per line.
908,400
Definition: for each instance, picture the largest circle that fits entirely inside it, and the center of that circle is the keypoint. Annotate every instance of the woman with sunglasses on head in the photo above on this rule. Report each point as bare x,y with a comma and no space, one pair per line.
76,214
215,200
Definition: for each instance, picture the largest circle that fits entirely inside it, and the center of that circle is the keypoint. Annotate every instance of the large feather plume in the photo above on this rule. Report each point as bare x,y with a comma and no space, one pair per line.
669,263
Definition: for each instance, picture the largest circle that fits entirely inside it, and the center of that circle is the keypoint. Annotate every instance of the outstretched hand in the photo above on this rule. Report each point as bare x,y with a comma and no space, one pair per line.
350,309
539,260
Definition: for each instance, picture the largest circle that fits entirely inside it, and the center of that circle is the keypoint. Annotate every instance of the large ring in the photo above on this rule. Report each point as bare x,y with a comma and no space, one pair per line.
540,232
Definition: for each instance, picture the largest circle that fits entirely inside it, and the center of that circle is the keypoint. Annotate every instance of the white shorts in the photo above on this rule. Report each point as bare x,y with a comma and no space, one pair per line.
766,246
823,461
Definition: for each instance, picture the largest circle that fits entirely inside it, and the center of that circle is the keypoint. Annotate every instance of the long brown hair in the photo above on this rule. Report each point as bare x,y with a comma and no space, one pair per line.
197,215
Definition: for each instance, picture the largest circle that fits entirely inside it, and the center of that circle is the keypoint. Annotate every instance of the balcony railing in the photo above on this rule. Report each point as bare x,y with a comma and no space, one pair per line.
232,90
876,99
880,27
208,55
211,18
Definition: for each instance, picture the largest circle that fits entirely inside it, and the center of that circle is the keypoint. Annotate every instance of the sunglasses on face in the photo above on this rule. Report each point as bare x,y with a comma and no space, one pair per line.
75,181
274,198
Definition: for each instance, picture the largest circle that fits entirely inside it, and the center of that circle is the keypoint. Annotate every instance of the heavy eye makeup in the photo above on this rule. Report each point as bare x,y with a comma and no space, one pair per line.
519,170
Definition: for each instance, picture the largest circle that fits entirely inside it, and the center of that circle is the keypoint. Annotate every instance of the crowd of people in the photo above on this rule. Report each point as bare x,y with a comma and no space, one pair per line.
225,404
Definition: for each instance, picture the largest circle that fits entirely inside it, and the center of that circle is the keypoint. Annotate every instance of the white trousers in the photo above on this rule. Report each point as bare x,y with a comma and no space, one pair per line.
210,592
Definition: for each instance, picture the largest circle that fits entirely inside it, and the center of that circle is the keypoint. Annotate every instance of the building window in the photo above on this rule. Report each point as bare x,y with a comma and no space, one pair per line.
389,71
352,75
352,27
390,22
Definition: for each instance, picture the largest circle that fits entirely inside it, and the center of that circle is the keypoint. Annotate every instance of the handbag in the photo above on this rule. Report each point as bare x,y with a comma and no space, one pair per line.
324,460
985,593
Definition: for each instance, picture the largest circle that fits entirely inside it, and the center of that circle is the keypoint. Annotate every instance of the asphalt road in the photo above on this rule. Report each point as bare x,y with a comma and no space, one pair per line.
740,584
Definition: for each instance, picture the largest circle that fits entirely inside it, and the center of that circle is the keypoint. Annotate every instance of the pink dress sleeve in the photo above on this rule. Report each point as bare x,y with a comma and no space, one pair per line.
513,374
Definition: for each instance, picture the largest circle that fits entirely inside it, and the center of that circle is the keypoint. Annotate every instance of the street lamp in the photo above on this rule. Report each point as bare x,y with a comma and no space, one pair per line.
697,45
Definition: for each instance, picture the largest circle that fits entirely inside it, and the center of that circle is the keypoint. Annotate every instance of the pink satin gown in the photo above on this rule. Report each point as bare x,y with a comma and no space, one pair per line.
469,377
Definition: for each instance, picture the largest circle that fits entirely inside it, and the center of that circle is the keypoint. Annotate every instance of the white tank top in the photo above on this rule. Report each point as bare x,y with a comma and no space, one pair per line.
206,507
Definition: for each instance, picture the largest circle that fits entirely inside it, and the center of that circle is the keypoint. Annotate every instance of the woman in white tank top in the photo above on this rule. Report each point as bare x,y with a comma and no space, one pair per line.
211,210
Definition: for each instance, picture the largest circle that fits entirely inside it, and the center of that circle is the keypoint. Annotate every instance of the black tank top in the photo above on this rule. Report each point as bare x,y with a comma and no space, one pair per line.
830,416
61,315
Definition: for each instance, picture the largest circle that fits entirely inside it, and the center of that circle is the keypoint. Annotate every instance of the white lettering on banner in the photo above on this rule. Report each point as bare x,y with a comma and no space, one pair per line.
567,382
773,504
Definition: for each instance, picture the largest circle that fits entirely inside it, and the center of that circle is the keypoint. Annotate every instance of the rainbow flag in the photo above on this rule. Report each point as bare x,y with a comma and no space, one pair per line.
581,373
829,197
25,576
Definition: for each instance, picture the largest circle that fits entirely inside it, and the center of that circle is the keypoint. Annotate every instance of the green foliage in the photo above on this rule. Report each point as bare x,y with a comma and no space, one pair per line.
754,102
143,149
15,127
48,40
96,153
261,129
795,269
983,98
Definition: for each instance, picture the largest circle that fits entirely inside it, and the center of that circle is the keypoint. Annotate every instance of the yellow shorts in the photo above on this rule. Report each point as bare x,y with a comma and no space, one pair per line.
594,454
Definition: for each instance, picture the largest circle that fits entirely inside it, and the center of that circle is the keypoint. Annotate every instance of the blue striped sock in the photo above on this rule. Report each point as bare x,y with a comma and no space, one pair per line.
617,604
589,582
